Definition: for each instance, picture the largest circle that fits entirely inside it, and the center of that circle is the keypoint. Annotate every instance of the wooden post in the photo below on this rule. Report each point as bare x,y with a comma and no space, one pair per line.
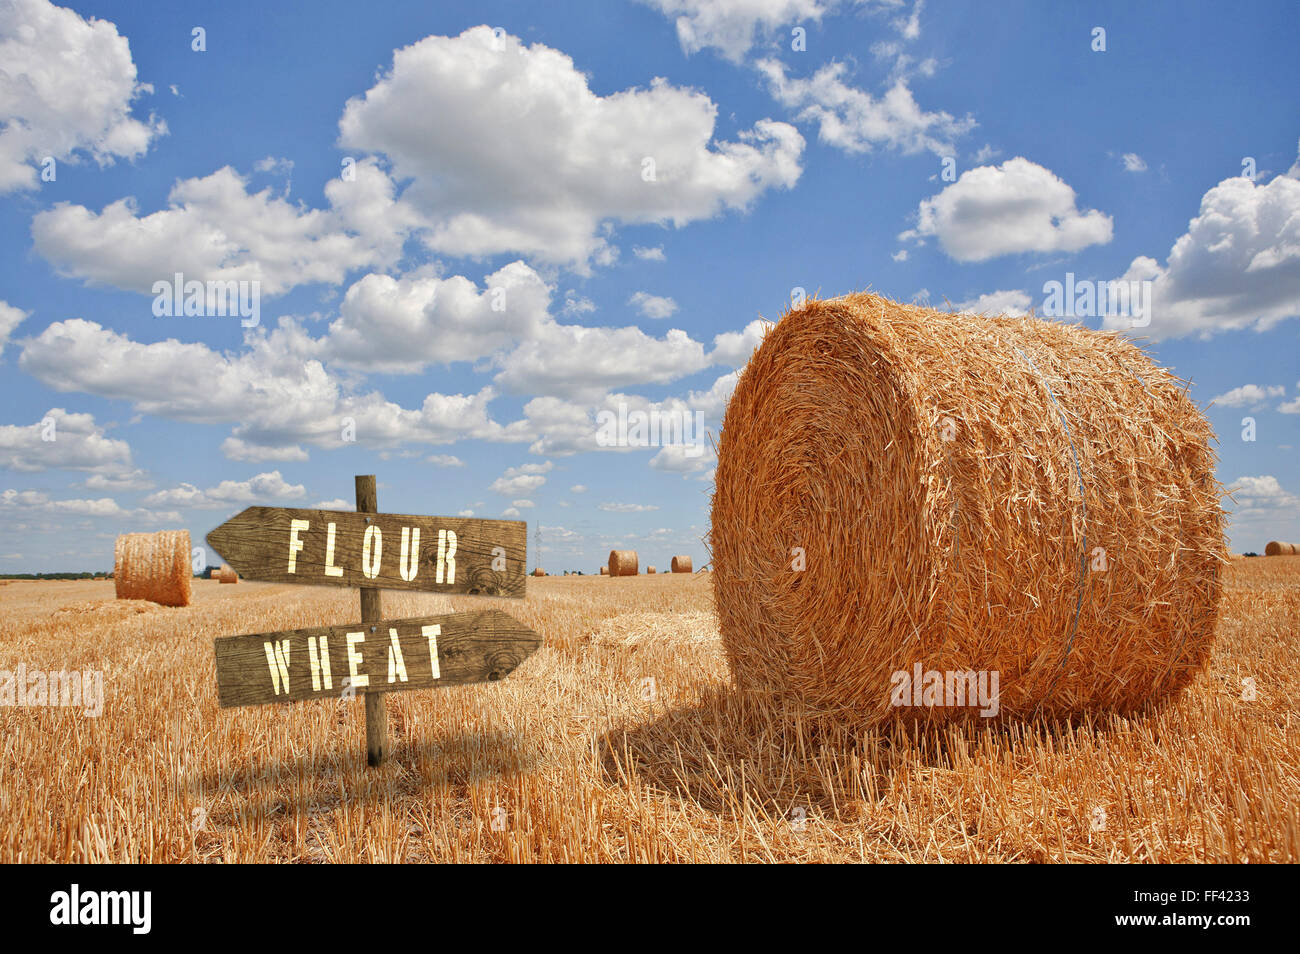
371,612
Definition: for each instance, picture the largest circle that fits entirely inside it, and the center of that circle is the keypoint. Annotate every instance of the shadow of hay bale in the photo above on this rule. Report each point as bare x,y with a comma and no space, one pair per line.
731,751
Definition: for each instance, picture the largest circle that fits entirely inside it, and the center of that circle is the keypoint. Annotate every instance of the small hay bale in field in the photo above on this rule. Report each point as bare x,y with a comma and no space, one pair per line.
622,563
539,572
1277,548
681,564
225,575
604,571
903,491
154,567
650,569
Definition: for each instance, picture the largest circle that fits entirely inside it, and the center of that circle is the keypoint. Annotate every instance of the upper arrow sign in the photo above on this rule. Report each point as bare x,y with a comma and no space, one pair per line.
390,551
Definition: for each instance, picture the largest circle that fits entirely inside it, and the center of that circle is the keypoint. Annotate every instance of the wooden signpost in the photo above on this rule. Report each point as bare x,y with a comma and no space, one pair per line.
373,551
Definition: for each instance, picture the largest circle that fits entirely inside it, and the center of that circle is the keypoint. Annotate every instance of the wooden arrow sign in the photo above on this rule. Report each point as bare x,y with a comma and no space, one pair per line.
340,661
382,550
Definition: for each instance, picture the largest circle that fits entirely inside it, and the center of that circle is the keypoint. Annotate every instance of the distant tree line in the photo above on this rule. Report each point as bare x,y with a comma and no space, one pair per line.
87,575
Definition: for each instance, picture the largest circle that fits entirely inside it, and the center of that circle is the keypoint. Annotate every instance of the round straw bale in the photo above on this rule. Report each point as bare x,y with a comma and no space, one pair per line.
1277,548
539,572
901,492
153,566
622,563
650,569
226,575
604,571
681,564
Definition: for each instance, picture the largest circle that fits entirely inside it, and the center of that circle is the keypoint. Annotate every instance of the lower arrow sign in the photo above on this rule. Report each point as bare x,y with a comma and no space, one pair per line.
340,661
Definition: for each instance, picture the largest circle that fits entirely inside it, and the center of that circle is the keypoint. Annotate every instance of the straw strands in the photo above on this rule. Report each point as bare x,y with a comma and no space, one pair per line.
153,566
897,486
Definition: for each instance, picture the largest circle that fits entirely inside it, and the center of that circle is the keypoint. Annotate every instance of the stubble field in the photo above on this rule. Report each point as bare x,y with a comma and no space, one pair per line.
621,739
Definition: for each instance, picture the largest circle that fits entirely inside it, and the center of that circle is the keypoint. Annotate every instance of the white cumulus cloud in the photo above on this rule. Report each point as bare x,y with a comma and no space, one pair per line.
63,441
507,149
10,318
1016,207
1133,162
577,362
653,306
1259,495
1009,302
274,394
404,324
66,89
734,348
732,27
522,480
214,229
852,119
1248,395
1237,265
263,488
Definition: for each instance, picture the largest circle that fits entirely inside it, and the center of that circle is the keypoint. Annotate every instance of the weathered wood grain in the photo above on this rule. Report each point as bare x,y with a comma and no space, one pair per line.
258,544
367,488
470,647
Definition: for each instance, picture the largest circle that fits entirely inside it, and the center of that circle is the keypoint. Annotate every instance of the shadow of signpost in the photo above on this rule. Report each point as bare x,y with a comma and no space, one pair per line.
438,762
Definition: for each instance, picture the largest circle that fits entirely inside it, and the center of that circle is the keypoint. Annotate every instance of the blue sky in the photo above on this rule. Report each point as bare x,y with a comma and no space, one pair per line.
500,150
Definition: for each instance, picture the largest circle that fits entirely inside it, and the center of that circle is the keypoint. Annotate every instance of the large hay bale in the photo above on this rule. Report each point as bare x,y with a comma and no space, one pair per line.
622,563
900,487
154,567
1277,548
681,564
225,575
